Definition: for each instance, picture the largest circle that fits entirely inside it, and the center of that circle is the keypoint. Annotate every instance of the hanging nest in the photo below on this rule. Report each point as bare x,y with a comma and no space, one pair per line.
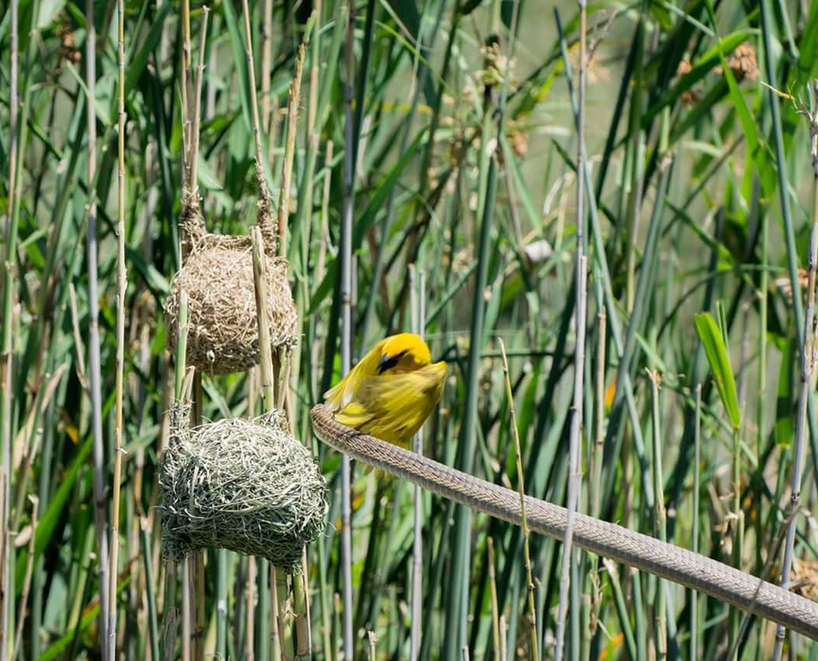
242,485
218,277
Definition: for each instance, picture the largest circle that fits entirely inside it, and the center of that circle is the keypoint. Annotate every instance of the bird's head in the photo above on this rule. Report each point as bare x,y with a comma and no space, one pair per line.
403,353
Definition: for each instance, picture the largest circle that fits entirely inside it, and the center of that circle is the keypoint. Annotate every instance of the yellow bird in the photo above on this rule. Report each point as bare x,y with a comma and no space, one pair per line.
391,391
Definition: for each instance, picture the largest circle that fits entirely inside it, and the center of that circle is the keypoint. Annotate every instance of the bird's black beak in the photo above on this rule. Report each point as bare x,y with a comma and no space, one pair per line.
389,361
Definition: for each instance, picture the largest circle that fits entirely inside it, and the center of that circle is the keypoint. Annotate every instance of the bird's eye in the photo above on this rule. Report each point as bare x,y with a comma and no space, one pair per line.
388,362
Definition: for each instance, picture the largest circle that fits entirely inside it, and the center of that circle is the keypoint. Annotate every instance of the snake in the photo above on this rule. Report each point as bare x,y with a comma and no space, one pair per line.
604,538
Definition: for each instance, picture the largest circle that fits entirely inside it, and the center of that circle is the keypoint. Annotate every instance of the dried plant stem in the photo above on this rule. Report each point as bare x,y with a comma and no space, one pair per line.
198,558
595,466
94,372
251,75
660,517
594,477
268,398
271,615
21,615
152,606
249,610
575,477
503,637
193,184
264,347
266,62
301,590
186,121
187,615
495,609
6,543
694,600
289,152
7,345
807,355
122,284
179,392
532,612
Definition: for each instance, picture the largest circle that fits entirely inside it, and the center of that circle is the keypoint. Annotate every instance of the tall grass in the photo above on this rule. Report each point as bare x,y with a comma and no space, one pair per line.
447,136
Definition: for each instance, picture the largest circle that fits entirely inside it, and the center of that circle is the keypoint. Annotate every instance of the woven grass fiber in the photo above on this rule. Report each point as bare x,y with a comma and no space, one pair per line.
242,485
218,278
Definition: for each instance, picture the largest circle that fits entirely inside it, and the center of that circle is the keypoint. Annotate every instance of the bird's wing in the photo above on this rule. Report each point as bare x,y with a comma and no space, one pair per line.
340,395
394,407
354,415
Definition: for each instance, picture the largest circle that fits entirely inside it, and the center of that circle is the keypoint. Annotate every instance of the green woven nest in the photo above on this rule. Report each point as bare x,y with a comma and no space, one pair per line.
242,485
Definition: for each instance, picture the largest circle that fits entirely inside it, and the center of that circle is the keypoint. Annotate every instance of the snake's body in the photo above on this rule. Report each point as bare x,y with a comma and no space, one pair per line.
609,540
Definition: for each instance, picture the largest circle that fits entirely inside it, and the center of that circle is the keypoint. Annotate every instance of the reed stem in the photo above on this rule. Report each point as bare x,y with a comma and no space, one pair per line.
418,309
807,369
346,328
532,613
122,284
694,601
575,439
94,361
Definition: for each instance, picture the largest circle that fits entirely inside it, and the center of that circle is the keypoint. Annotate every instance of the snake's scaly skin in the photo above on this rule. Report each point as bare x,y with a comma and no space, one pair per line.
667,561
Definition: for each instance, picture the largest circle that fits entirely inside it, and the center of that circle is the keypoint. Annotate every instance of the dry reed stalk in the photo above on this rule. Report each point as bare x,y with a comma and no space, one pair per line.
4,574
193,183
187,618
249,609
199,604
303,618
302,296
289,152
575,445
180,383
250,585
21,614
6,348
272,135
595,460
82,374
265,366
532,612
807,360
264,200
266,62
197,557
94,362
503,635
141,608
373,641
186,123
312,107
122,284
320,261
495,609
265,350
165,400
595,465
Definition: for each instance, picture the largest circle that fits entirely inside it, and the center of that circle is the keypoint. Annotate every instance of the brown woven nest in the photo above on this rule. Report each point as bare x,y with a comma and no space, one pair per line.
218,277
242,485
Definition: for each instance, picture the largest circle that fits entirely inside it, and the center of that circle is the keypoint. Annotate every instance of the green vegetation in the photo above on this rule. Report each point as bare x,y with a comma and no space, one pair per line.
441,144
